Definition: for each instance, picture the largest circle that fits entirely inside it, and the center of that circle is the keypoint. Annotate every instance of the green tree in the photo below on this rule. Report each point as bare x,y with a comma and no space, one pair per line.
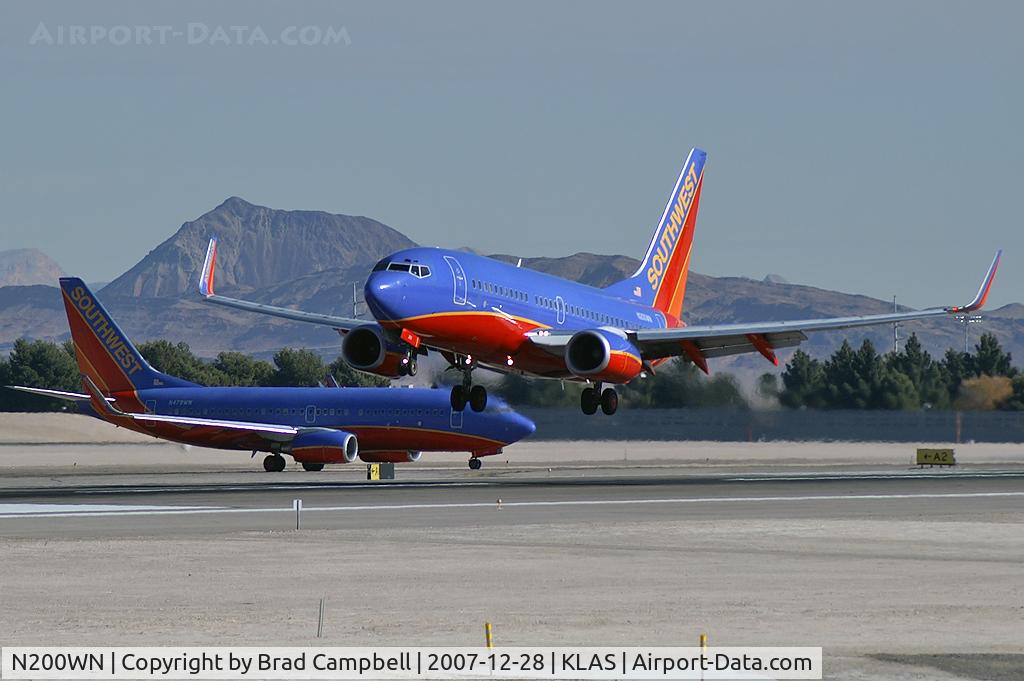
516,389
680,384
989,358
926,375
957,367
844,387
803,382
345,375
297,368
38,364
768,387
241,369
894,391
1016,400
177,360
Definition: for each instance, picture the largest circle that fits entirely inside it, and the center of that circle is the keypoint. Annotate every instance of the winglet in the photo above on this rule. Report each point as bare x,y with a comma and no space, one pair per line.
986,285
206,276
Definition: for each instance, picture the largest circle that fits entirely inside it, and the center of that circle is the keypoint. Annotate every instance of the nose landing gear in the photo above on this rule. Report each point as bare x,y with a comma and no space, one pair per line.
407,367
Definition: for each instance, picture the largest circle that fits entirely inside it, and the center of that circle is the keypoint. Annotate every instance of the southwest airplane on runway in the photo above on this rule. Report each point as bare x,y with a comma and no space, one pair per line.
315,426
477,311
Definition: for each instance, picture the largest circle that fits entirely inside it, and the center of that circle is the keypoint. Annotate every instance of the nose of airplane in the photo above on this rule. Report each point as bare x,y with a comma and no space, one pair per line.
385,294
518,426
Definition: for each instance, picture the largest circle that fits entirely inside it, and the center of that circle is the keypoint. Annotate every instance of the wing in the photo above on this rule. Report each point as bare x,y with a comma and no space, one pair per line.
700,343
268,431
343,324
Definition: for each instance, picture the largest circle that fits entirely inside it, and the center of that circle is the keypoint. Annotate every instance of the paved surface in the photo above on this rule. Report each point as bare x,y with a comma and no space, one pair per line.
451,500
889,569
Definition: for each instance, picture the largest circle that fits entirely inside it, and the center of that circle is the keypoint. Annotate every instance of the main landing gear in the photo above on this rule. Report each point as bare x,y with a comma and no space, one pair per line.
467,393
475,464
592,398
306,466
273,463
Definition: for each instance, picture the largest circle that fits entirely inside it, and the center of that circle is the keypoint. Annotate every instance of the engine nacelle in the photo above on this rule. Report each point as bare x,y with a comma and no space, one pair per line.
368,349
325,446
390,457
603,355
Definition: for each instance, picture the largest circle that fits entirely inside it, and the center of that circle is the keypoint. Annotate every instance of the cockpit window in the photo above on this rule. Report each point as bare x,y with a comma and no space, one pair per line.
416,270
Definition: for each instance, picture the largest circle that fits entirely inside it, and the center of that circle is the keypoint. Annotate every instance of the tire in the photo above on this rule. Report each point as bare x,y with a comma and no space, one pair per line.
589,401
410,368
475,464
458,398
609,401
478,398
312,466
269,463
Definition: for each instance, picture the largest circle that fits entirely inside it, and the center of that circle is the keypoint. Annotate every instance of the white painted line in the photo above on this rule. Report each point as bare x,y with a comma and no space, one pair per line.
527,482
20,510
194,510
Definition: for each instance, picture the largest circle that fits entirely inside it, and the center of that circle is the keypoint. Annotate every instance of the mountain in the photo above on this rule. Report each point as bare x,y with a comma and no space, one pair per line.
257,247
27,267
310,260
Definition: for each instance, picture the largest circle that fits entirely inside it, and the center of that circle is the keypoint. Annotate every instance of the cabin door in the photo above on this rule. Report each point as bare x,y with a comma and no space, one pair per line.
560,310
459,280
311,414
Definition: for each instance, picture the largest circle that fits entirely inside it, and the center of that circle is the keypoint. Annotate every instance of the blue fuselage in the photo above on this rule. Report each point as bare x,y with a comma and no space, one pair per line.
383,419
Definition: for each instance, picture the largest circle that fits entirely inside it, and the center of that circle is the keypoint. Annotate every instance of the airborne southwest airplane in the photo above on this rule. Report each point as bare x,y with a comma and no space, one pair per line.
315,426
479,312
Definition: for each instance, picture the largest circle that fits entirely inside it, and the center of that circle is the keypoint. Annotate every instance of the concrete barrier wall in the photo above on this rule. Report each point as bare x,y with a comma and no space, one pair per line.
737,425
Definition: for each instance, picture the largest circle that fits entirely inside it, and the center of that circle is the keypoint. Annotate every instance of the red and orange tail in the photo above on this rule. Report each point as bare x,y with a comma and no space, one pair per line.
103,351
660,282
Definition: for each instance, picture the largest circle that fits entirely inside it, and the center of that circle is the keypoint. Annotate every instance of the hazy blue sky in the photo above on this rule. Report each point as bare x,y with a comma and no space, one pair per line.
867,147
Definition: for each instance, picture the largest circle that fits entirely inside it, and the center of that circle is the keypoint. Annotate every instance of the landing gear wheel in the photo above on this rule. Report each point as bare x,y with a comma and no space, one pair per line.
273,463
459,397
609,401
312,466
410,368
478,398
475,464
589,401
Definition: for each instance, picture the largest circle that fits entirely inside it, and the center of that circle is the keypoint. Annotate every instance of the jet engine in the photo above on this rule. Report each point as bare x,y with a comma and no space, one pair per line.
325,446
390,457
602,355
368,349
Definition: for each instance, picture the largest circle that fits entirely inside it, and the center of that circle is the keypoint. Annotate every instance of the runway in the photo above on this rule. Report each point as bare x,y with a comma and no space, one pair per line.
890,568
153,505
